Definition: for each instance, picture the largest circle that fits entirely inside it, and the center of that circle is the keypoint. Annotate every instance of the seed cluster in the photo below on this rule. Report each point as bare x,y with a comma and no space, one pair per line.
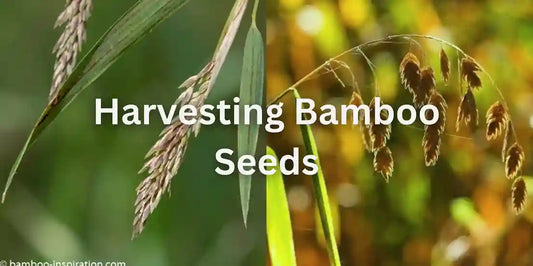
420,82
75,16
166,156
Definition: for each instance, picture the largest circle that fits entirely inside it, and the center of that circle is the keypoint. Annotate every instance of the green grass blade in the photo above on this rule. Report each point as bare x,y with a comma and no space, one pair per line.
137,22
251,93
321,194
334,207
279,230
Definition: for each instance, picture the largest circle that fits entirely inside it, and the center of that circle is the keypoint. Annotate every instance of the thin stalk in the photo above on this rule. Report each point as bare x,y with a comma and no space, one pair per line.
233,15
229,32
388,39
371,66
275,100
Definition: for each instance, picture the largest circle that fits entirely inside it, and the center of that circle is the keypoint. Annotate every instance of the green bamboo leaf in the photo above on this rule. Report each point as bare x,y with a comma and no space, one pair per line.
251,93
336,222
136,23
321,193
279,230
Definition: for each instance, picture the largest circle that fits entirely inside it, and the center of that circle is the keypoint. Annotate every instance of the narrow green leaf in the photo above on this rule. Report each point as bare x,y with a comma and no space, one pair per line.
279,230
251,93
334,205
321,194
136,23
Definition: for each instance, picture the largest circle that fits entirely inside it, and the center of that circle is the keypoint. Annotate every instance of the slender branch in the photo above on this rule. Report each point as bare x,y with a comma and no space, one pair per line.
332,70
275,100
390,38
371,66
347,67
418,46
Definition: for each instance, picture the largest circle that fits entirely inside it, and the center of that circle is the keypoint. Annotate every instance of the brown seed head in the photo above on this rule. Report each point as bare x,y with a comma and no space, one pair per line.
514,160
467,112
425,87
519,194
469,70
444,65
433,133
365,130
496,120
509,138
410,72
383,162
379,134
367,138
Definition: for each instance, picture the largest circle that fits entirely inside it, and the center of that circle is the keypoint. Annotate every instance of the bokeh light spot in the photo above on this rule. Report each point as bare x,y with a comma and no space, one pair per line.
310,20
299,199
348,195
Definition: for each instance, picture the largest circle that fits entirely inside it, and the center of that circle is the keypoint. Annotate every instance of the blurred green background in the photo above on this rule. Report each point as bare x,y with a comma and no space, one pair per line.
73,197
456,213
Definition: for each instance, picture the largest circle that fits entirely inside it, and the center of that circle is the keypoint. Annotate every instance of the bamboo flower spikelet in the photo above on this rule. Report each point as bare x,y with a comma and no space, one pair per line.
75,16
419,80
166,156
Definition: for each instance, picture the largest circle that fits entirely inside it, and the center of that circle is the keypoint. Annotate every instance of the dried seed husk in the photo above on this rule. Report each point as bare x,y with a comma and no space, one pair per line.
383,162
367,139
469,70
467,113
444,65
509,138
425,87
410,72
496,120
514,160
357,100
379,134
519,194
433,133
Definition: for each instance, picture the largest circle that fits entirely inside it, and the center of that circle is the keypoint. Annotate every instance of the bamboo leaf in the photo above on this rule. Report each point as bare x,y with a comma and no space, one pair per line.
279,230
251,93
336,222
321,193
136,23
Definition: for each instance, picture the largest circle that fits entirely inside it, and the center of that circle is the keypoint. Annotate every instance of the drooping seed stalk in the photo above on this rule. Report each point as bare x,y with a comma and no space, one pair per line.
318,181
75,16
384,40
165,157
